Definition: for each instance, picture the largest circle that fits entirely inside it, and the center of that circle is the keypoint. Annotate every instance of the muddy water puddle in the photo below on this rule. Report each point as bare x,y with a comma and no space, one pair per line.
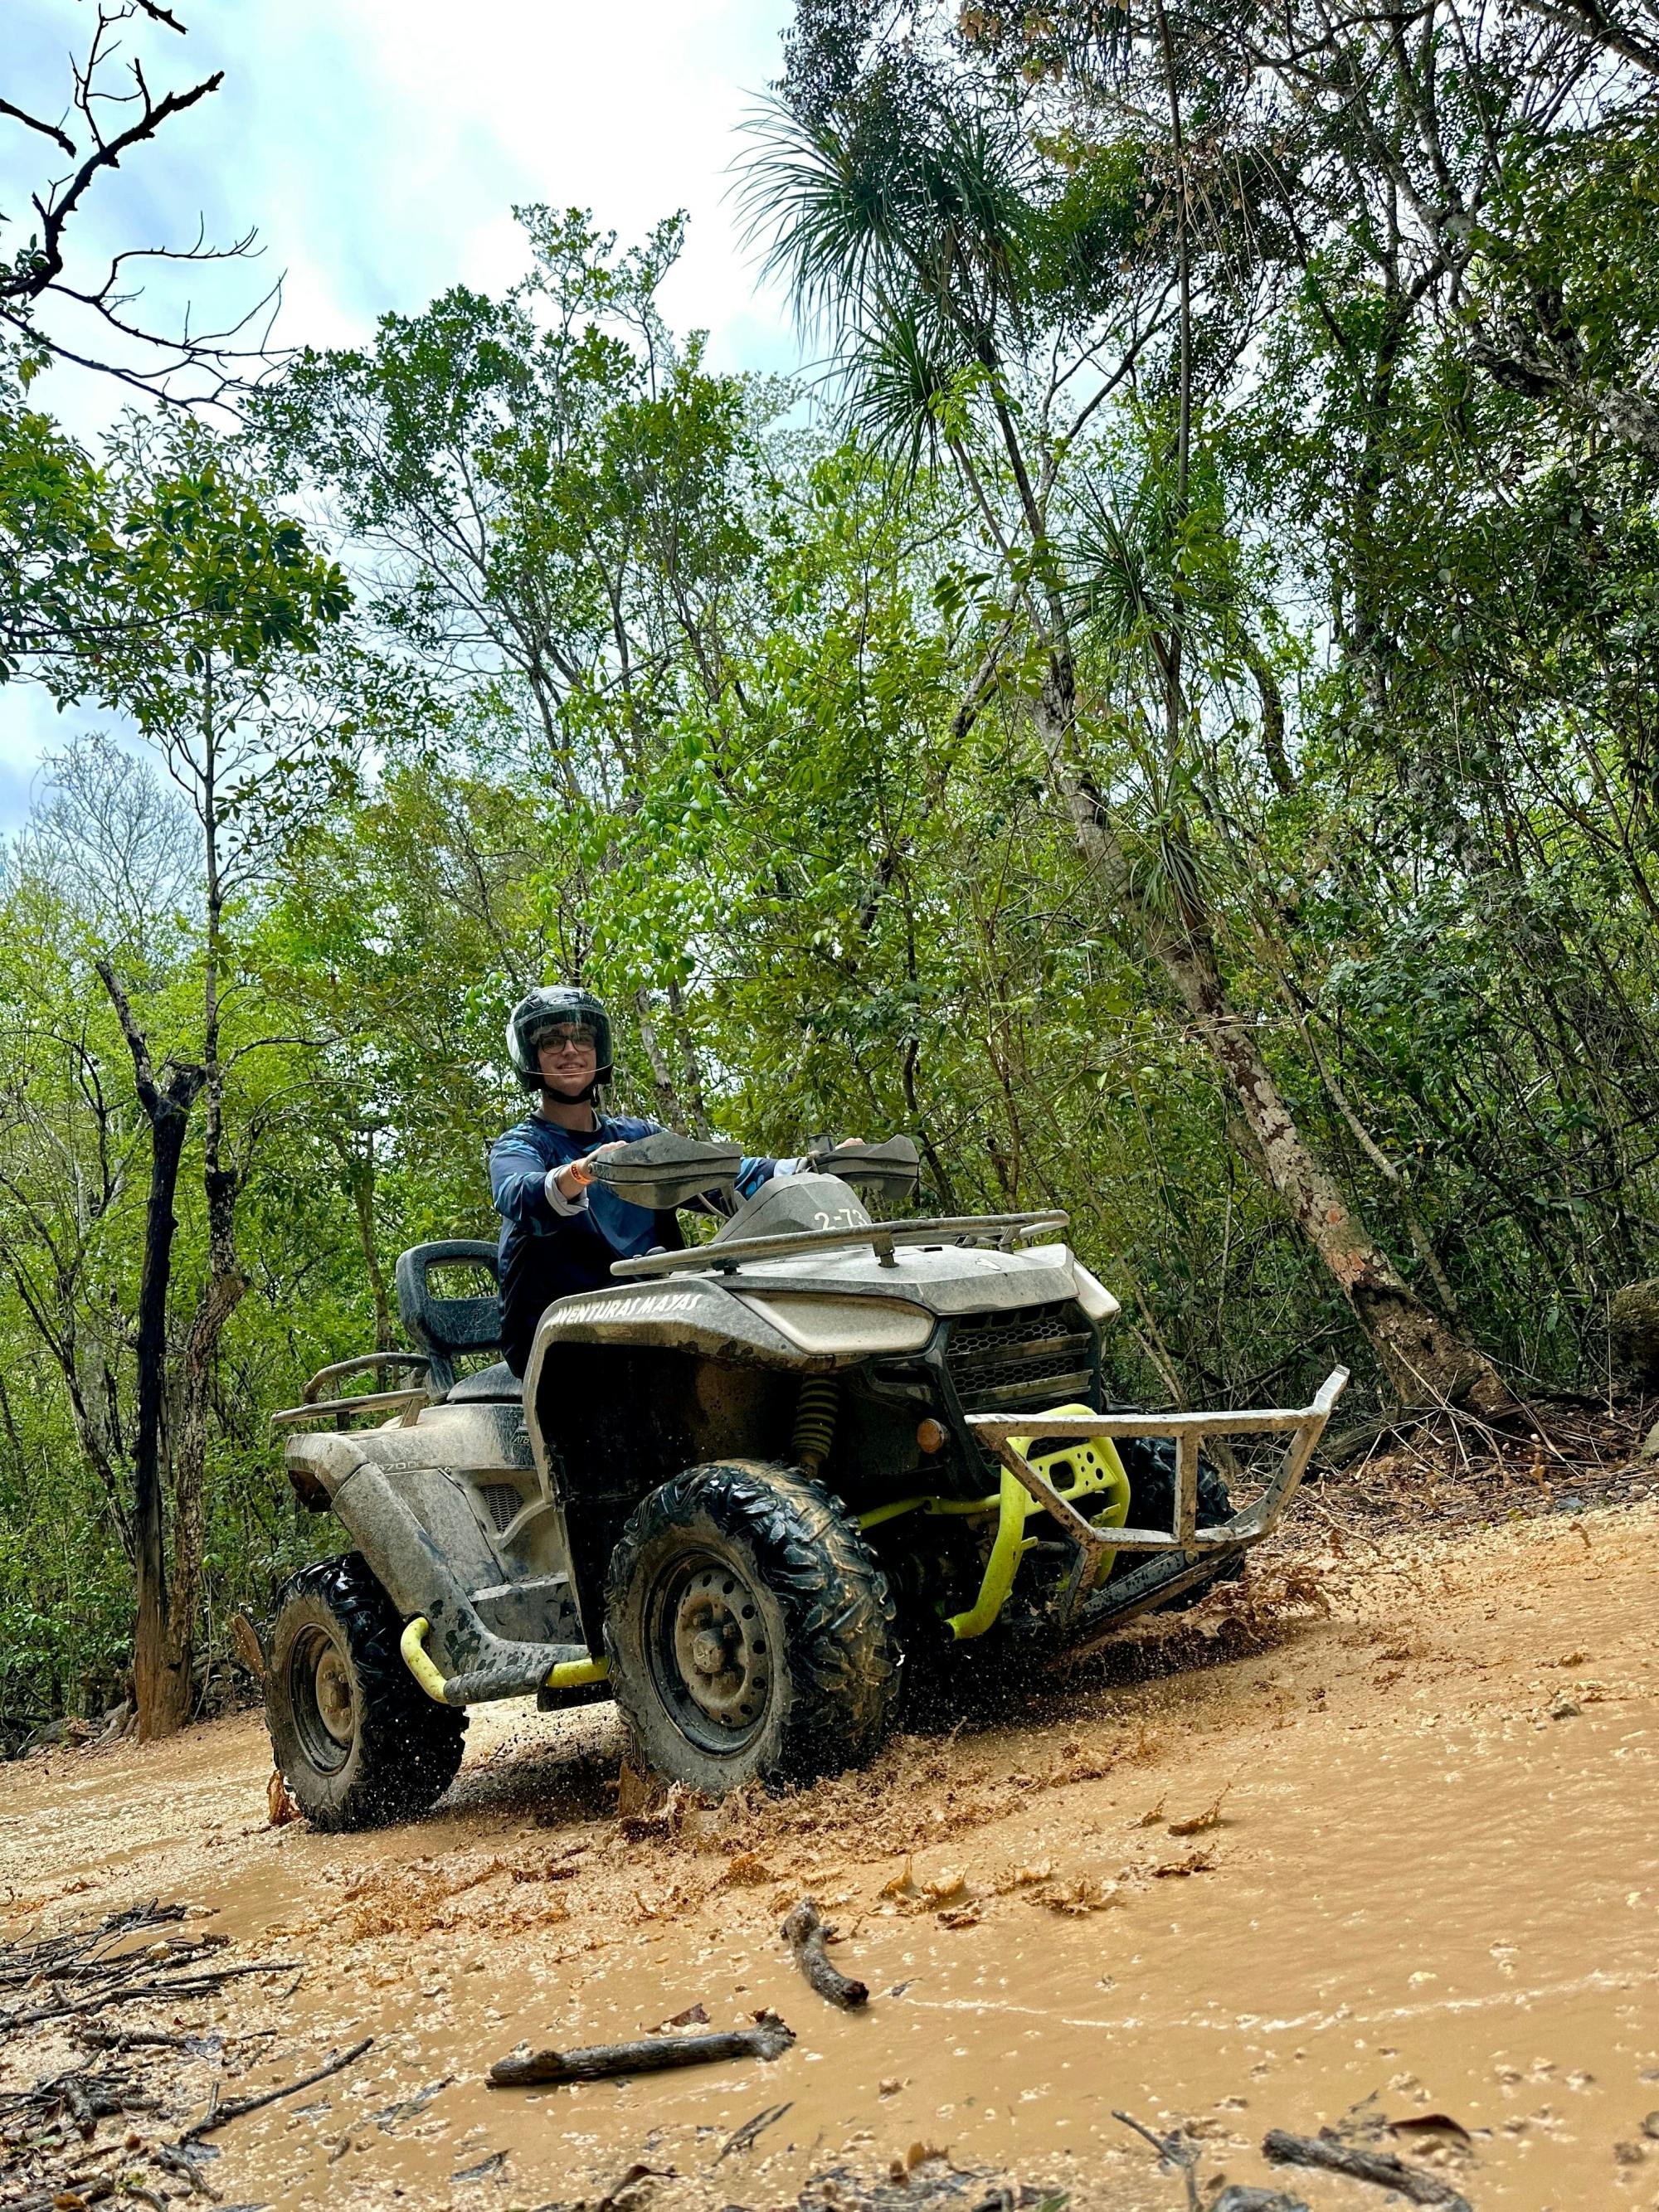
1428,1887
1454,1922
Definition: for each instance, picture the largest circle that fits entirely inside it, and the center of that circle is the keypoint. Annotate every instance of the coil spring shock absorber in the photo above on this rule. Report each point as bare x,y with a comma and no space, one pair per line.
815,1423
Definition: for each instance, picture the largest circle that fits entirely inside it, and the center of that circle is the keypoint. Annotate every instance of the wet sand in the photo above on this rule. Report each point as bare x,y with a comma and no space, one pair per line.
1429,1885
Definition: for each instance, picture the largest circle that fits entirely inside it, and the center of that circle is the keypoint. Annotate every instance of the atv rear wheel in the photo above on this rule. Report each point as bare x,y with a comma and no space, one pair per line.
750,1631
358,1742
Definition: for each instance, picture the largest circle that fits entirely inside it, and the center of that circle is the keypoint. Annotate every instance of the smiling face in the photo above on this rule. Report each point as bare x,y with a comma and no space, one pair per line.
567,1058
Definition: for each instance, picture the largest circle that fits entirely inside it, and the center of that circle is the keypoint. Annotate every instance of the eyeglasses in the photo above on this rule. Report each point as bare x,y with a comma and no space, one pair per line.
580,1041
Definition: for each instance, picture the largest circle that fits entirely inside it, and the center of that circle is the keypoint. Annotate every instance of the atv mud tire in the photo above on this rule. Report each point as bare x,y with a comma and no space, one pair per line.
750,1631
1150,1464
359,1743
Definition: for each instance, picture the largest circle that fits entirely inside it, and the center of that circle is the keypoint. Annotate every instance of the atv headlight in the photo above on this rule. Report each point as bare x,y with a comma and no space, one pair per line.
816,1323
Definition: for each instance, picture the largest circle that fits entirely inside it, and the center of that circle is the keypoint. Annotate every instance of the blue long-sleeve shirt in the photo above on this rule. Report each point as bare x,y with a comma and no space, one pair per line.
546,1253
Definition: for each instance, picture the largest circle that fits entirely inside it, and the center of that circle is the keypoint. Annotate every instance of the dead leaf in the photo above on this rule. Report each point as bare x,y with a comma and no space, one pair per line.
748,1870
1084,1895
902,1882
1572,1659
280,1802
1042,1871
966,1916
693,2016
1195,1862
1209,1818
890,2086
948,1882
1150,1819
920,2153
1431,2124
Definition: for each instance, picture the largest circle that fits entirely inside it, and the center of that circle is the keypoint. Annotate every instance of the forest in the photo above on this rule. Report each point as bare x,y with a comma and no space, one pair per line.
1162,709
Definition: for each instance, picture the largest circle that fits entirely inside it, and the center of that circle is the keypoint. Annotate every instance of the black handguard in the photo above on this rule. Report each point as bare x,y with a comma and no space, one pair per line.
665,1171
893,1166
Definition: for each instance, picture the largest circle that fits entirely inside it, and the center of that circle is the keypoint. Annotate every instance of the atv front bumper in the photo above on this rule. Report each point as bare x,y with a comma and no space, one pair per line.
1184,1554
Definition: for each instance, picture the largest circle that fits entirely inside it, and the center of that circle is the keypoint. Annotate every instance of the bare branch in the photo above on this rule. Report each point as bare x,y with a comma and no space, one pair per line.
46,264
33,123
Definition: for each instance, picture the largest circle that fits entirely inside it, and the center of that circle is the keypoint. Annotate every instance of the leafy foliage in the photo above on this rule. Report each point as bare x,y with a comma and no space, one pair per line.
1284,387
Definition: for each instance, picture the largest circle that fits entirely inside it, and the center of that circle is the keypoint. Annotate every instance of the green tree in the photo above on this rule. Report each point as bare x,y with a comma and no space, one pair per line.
226,599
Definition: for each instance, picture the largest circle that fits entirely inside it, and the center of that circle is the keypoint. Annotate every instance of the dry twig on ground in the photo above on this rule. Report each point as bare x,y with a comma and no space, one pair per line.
651,2054
806,1933
1325,2153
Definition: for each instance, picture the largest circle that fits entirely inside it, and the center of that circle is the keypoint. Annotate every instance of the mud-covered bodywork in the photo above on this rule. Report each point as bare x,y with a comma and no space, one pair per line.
507,1509
886,1359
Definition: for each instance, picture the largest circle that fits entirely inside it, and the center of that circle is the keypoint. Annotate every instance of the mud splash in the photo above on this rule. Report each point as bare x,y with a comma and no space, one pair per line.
1394,1861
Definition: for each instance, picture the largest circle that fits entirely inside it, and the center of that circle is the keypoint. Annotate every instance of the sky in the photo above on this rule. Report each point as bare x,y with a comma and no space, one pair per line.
379,146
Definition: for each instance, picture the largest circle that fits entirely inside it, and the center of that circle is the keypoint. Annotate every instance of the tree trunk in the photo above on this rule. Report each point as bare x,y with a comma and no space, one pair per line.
669,1109
358,1177
160,1668
225,1284
1426,1360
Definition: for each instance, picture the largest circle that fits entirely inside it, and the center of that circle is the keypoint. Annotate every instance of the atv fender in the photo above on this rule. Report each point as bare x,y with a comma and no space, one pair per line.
476,1663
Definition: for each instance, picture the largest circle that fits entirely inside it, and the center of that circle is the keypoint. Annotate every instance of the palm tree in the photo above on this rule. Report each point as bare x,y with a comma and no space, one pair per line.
981,313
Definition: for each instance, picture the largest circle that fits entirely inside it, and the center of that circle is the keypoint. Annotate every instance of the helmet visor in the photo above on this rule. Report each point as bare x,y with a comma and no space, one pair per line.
573,1021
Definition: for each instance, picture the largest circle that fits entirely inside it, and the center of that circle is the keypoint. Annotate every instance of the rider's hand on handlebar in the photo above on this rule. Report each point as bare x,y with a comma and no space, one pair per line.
574,1178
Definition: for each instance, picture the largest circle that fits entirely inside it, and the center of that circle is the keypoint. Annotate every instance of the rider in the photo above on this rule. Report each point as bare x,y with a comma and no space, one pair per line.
560,1232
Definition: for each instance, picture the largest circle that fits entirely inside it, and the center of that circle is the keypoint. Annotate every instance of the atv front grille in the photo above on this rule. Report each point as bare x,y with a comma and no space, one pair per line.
502,1501
1038,1356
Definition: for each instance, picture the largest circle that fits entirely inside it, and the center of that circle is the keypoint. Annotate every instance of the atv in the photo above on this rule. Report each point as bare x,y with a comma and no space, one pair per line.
752,1492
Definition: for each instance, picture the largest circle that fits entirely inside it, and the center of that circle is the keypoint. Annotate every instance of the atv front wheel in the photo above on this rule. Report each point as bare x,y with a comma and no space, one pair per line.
750,1631
1150,1464
358,1742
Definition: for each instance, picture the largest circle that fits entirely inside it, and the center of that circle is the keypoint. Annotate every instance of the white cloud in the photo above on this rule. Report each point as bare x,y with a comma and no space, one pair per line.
378,145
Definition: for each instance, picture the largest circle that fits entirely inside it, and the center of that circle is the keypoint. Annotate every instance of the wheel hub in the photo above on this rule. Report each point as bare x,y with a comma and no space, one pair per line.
713,1662
323,1698
334,1698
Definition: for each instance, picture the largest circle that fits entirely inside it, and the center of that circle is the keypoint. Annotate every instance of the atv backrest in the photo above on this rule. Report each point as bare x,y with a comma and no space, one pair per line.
445,1328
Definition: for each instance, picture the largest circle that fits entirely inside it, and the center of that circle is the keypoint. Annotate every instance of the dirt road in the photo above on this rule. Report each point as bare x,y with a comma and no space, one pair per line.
1426,1885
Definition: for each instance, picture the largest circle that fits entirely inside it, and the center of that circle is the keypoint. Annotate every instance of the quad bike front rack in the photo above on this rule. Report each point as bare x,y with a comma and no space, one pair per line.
1183,1554
724,1256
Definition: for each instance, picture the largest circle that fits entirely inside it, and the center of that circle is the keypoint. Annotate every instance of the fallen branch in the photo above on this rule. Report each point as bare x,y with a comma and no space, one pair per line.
1177,2153
806,1933
750,2132
189,1985
86,2098
174,2158
652,2054
155,2038
44,2200
240,2105
1381,2168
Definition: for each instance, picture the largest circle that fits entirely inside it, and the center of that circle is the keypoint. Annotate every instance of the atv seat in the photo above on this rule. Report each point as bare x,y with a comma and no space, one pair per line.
493,1384
447,1327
